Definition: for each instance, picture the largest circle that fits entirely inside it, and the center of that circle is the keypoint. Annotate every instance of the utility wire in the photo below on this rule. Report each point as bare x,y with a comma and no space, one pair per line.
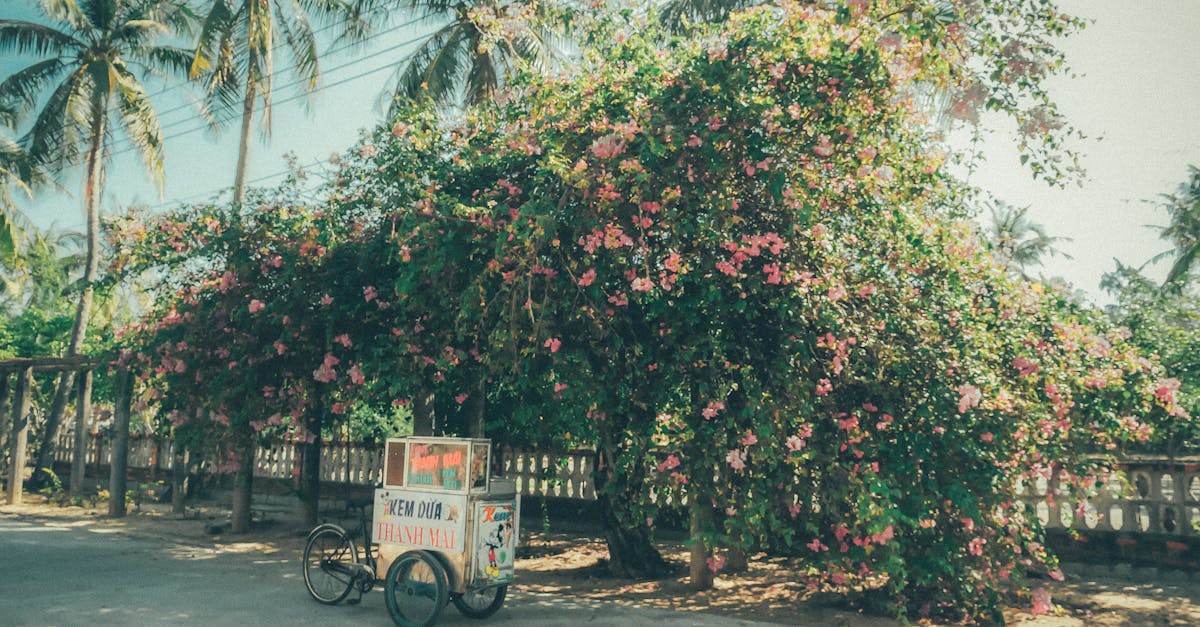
335,50
259,109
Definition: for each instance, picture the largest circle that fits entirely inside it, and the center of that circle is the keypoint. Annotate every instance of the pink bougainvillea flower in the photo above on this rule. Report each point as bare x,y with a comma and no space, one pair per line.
749,439
1025,367
838,578
1041,602
736,459
987,437
641,284
280,348
256,305
715,563
969,396
608,146
824,386
711,410
356,375
344,340
975,546
587,278
461,398
553,344
369,293
817,546
667,464
338,408
794,443
558,387
823,147
794,510
326,300
228,281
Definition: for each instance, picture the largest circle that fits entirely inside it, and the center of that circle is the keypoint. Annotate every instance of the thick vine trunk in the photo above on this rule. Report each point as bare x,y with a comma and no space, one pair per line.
310,474
700,516
631,554
243,489
422,410
179,478
92,189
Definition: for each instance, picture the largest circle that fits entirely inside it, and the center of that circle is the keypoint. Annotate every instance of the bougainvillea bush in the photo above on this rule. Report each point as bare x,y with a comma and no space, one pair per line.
735,265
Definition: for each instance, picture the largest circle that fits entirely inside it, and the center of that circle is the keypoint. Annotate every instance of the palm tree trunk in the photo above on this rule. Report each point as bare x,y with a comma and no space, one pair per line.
92,188
239,177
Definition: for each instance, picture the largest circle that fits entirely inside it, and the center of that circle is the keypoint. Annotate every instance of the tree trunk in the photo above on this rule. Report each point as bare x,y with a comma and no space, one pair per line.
631,554
92,188
422,409
179,478
119,464
83,409
700,515
310,473
243,160
243,486
477,411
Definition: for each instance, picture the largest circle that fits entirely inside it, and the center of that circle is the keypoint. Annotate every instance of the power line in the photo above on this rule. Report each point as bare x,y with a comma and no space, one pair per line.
259,109
279,46
298,81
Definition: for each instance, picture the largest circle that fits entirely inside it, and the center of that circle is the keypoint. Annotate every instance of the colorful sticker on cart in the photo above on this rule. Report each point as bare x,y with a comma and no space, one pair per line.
495,542
425,520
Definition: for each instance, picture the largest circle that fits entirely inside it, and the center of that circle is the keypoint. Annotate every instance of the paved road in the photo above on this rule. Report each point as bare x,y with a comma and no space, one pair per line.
76,574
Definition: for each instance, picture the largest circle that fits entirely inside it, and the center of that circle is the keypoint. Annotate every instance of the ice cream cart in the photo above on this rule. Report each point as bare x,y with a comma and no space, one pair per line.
444,529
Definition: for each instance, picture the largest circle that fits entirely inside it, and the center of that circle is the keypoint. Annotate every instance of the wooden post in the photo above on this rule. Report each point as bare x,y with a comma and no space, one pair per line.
83,409
120,444
19,441
5,417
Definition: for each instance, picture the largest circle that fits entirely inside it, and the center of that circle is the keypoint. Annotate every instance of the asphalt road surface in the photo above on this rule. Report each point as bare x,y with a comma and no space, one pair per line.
75,574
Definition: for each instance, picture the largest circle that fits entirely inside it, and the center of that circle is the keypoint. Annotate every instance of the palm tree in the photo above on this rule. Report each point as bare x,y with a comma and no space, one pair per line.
84,83
479,45
1018,241
15,171
235,54
1183,231
679,15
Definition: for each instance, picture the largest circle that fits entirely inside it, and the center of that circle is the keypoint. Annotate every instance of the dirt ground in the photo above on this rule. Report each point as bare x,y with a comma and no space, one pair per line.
572,565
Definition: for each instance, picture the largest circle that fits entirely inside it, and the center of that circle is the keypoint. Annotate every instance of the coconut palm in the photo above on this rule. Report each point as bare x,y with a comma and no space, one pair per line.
478,46
84,81
1183,232
1018,241
235,54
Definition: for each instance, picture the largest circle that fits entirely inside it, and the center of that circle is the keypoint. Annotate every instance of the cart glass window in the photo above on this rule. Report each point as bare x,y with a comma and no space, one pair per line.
438,465
479,465
395,464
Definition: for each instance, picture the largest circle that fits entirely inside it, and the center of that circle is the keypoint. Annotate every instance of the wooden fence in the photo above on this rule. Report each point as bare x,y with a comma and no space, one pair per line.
1144,496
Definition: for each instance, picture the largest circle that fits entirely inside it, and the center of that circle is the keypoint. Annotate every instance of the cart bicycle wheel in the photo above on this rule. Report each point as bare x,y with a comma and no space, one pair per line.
480,603
330,564
416,589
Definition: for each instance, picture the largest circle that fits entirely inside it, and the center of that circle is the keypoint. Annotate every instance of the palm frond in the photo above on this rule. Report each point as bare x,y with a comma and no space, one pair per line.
68,11
432,69
23,88
35,39
54,138
140,122
300,41
215,28
101,13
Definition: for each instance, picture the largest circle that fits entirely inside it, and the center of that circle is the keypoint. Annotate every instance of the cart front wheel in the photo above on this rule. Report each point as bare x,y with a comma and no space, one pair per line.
416,589
330,560
480,603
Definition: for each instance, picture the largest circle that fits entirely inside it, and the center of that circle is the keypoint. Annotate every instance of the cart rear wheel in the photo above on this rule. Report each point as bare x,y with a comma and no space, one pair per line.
416,589
330,562
481,603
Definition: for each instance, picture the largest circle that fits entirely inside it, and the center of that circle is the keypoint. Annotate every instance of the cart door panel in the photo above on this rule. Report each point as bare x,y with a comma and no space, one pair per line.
494,542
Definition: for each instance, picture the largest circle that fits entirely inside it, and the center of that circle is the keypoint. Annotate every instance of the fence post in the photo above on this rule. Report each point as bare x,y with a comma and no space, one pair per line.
118,466
18,443
83,409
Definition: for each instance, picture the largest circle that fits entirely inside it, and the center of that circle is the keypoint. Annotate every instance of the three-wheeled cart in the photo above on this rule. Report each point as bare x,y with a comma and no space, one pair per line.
443,531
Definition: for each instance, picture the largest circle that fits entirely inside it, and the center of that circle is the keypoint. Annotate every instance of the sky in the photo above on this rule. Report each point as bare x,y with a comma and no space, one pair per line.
1135,93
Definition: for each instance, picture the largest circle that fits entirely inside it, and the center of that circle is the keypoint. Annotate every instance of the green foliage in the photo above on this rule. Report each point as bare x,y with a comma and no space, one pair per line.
732,263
